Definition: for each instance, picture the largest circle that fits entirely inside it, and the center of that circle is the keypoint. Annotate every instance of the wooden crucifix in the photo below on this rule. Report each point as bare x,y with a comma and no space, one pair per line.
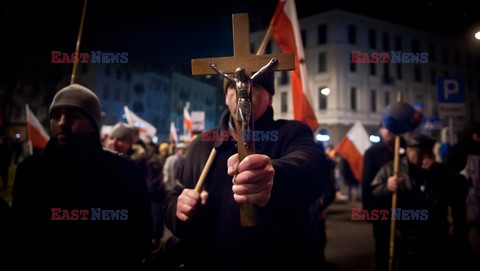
244,66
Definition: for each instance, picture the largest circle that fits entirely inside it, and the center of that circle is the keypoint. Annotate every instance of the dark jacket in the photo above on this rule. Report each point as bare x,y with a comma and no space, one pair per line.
375,157
434,190
82,177
214,238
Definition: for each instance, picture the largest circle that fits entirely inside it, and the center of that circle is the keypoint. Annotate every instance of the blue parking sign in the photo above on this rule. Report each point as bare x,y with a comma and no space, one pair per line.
451,89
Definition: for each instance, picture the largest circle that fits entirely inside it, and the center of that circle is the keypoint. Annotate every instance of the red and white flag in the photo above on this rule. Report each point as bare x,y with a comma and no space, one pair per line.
36,133
173,133
353,147
145,128
187,122
286,33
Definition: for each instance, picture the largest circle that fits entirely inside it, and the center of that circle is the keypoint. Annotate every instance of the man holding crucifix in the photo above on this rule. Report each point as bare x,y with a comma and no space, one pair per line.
281,179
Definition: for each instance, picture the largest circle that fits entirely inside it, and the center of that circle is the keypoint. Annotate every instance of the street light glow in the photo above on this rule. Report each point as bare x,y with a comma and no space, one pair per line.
477,35
374,138
323,138
325,91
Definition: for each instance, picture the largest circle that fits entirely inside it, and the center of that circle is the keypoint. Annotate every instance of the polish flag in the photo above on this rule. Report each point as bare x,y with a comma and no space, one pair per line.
286,33
353,147
173,133
36,133
145,128
187,122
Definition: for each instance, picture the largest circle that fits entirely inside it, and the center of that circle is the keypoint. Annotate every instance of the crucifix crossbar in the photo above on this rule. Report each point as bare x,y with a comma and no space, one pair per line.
242,56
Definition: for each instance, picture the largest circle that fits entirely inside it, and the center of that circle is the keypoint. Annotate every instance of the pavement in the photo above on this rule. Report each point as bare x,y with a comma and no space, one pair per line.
350,244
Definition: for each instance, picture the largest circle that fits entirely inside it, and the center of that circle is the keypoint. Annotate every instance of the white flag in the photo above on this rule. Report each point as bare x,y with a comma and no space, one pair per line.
173,133
144,126
36,133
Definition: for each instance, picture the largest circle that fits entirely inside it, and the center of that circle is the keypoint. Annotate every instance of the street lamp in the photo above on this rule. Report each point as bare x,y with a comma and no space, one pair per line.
477,35
325,91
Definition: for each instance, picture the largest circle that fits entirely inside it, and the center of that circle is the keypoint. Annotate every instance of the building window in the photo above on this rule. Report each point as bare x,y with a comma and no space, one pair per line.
445,55
386,41
373,100
322,34
106,92
373,68
415,46
127,96
387,98
322,99
352,34
119,74
322,62
433,76
353,98
457,58
432,56
284,78
399,71
386,70
303,33
398,43
353,67
372,38
138,107
417,73
117,95
139,88
284,102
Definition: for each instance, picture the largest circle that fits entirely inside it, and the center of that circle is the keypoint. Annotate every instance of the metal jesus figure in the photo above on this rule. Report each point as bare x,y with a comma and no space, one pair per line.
245,110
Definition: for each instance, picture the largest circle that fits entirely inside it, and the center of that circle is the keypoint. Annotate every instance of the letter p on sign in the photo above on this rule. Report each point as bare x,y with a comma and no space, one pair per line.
450,87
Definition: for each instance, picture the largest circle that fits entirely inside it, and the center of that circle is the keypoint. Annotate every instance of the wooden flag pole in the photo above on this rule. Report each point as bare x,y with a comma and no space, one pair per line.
79,39
396,163
205,170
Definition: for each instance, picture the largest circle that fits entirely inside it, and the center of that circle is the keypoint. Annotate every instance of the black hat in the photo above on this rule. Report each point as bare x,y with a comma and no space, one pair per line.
266,80
123,132
423,141
79,97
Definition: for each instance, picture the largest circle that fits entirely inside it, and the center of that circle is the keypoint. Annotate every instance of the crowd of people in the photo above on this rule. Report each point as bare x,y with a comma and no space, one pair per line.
289,182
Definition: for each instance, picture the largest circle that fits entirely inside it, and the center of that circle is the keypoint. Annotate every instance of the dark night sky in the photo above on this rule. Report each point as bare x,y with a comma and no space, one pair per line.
173,32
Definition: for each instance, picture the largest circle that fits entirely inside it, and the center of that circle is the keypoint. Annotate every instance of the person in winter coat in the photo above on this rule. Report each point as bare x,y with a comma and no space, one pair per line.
76,203
282,180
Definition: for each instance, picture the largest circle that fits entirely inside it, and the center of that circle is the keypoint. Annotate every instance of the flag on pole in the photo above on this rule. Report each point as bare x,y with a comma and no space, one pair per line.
36,133
145,128
187,122
353,147
286,33
173,133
